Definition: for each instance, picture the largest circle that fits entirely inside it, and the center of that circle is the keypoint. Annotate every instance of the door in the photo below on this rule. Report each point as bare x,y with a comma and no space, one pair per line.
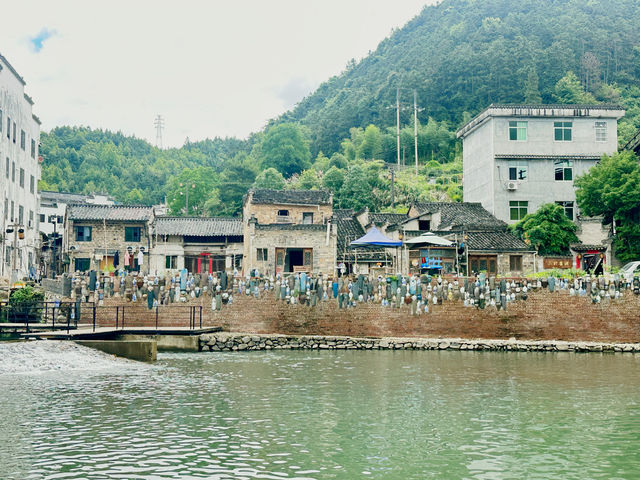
280,256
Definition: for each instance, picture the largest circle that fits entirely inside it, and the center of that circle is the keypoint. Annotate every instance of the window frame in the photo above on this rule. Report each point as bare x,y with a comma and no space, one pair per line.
516,128
518,206
517,260
171,262
568,206
563,127
21,178
518,166
561,168
81,261
600,130
307,218
23,139
262,254
130,236
83,237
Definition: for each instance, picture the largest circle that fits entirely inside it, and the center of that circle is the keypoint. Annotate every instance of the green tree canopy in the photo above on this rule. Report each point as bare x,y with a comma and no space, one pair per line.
548,229
270,178
197,183
356,191
333,179
285,147
569,90
612,189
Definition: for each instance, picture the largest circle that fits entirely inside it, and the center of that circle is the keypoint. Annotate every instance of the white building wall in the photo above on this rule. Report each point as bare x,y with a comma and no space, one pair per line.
18,109
477,167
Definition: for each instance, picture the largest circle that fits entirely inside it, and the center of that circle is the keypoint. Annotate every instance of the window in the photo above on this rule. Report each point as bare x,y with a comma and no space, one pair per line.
33,148
82,264
83,234
30,218
171,262
283,213
20,215
6,208
13,210
307,218
14,132
8,128
424,225
132,234
515,263
518,209
601,131
23,140
13,171
518,170
562,131
32,184
8,167
42,218
518,131
60,219
563,170
568,209
22,177
262,254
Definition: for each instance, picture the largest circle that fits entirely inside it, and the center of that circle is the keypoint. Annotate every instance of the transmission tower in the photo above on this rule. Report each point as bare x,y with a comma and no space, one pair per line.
159,124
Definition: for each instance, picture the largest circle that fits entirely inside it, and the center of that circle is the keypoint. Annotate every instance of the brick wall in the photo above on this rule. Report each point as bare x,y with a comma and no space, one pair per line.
544,316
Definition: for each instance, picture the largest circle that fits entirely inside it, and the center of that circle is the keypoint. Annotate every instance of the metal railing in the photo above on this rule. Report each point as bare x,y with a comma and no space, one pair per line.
122,317
44,315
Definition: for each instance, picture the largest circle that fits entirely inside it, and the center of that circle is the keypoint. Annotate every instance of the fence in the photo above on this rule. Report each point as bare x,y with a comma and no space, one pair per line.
44,315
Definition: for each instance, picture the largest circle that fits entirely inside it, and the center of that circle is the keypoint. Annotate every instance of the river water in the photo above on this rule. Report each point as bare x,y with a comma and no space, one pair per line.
318,415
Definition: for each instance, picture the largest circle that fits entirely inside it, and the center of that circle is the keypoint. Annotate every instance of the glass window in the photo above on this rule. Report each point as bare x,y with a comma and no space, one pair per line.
82,264
13,171
562,131
283,213
42,218
20,214
424,225
601,131
31,218
568,209
23,140
171,262
517,131
22,177
32,184
8,167
307,218
13,210
132,234
518,170
33,148
515,263
518,209
262,254
14,132
8,128
563,170
83,234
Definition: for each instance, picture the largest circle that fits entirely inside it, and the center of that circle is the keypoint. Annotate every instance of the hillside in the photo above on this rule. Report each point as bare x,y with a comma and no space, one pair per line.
459,56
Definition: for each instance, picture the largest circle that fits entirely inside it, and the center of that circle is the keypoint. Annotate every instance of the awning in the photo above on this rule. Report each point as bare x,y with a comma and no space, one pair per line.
429,239
374,238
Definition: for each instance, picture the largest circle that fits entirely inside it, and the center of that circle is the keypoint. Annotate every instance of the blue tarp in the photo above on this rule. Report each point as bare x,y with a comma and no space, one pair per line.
375,239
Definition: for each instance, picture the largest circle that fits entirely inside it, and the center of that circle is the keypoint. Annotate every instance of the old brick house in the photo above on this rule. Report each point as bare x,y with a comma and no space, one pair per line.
97,237
199,244
288,231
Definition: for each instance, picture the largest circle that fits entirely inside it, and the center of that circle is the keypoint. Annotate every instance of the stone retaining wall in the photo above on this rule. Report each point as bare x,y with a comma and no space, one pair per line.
227,342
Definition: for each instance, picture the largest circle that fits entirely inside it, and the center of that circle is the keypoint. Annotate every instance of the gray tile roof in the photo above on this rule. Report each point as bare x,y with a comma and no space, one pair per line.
349,229
496,241
290,197
199,226
387,218
110,213
466,215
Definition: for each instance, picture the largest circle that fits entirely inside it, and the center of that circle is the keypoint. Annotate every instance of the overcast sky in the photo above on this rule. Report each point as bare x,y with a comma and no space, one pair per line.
210,68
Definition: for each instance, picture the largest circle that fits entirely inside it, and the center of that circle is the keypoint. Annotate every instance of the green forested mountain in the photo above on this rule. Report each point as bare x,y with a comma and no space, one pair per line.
463,55
459,56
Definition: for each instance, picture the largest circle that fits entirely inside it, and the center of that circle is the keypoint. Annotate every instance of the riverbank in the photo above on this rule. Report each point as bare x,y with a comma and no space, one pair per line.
237,342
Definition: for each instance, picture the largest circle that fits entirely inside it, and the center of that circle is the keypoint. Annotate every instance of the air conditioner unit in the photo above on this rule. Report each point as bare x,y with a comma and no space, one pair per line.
512,185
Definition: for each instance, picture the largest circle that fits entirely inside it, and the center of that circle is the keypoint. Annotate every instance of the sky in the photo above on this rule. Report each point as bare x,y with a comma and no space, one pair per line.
210,68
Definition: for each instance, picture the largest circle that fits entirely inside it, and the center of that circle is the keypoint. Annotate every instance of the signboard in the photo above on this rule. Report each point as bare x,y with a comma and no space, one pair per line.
563,263
430,262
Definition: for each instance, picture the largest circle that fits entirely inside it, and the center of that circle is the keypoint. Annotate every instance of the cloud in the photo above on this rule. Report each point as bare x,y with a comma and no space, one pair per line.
37,41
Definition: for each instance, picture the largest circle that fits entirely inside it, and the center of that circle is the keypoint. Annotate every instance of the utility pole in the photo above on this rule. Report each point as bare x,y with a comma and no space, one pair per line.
398,122
159,124
393,203
415,126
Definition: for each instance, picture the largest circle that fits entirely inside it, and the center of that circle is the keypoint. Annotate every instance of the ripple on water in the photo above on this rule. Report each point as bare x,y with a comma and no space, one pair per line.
325,415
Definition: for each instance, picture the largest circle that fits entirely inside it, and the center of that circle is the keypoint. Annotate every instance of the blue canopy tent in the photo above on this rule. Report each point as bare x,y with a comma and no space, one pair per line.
374,238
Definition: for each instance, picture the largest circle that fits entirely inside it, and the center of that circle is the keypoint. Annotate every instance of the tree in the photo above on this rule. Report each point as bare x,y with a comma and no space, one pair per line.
239,174
333,179
569,90
197,183
371,145
548,229
531,89
355,192
285,147
308,181
270,178
612,189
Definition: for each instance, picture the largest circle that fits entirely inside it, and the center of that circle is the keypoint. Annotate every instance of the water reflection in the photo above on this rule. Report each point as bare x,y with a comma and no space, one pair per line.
324,415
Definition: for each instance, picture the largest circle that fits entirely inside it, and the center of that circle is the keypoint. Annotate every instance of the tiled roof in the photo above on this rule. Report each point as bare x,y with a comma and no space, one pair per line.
126,213
581,247
349,229
290,197
577,156
496,241
466,215
292,226
387,218
199,226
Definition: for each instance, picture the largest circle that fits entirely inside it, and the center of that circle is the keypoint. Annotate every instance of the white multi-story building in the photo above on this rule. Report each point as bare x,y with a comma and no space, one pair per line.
515,158
20,172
